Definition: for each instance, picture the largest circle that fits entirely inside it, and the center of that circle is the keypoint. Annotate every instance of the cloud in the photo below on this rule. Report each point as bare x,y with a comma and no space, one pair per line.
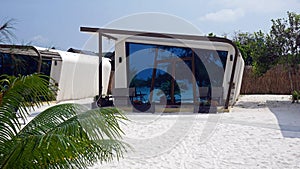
260,6
40,41
224,15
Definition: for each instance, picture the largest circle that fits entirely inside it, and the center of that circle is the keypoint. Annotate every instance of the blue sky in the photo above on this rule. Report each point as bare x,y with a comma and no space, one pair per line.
56,22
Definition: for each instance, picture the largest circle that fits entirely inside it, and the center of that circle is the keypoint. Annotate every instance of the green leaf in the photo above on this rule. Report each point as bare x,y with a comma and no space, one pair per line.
68,135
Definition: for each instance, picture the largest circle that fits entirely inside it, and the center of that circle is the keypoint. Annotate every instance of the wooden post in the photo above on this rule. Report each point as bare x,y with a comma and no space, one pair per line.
100,63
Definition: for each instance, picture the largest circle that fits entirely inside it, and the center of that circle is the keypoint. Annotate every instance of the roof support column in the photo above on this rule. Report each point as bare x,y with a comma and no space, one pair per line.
100,62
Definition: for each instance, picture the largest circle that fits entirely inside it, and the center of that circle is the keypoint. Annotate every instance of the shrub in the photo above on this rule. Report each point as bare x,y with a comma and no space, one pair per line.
295,96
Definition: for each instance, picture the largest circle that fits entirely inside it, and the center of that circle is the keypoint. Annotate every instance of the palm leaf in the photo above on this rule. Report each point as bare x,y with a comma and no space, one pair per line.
20,93
67,136
51,118
6,30
63,136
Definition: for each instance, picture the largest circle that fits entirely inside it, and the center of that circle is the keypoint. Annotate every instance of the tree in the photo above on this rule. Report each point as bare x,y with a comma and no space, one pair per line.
280,46
243,41
6,30
285,35
63,136
258,50
262,52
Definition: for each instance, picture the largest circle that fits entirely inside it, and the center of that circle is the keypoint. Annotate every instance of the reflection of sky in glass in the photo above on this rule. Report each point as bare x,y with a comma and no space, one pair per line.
141,57
184,79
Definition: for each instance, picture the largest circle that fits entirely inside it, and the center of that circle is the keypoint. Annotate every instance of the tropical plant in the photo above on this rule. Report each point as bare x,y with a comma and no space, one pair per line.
6,28
295,96
63,136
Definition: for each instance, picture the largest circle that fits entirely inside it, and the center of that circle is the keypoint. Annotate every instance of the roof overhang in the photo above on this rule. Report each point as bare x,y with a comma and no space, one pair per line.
29,51
116,34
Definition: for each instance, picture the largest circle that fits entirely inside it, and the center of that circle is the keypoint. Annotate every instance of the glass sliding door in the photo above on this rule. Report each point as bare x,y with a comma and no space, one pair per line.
140,60
172,75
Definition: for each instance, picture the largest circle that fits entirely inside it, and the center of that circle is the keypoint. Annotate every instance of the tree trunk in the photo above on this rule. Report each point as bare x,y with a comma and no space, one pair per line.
290,78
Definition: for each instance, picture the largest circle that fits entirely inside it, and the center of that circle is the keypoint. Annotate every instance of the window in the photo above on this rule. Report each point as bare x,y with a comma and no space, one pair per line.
14,64
173,74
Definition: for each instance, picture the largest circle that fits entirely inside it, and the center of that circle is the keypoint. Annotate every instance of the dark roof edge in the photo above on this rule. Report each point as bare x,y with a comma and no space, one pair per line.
26,47
154,34
19,47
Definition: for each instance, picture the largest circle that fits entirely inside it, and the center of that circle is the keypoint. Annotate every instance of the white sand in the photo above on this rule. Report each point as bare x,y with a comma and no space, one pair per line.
261,131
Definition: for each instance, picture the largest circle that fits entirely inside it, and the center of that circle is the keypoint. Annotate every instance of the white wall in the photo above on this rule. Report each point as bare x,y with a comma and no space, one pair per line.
238,78
79,76
55,70
121,68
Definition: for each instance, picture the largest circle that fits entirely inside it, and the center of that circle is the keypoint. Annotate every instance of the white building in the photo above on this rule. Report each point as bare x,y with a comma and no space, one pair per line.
172,69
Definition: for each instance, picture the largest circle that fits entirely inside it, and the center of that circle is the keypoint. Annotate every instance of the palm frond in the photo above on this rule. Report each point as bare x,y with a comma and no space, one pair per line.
68,136
6,34
26,91
63,136
61,152
51,118
19,94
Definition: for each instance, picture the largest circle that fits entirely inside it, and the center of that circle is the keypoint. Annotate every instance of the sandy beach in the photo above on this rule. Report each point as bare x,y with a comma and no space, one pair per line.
261,131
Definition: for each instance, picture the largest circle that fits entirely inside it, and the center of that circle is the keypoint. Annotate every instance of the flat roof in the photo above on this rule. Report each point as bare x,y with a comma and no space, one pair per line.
113,34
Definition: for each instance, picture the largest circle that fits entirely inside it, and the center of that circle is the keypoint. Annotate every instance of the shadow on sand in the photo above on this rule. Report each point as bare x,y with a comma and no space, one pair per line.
288,117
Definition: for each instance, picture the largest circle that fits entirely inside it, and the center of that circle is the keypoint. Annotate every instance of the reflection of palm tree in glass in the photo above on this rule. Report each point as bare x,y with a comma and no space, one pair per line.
215,61
169,52
132,74
165,89
163,81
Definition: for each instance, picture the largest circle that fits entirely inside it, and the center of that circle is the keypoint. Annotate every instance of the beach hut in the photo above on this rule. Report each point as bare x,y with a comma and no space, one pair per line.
75,73
173,70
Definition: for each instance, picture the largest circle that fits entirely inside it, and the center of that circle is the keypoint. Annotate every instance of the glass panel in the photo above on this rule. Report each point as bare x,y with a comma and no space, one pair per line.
46,67
209,67
140,69
22,64
18,64
163,83
142,84
7,65
184,81
223,57
140,57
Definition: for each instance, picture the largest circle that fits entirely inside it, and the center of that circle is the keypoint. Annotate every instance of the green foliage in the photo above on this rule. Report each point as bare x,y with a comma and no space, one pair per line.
63,136
211,34
280,46
20,93
256,50
244,42
285,35
295,96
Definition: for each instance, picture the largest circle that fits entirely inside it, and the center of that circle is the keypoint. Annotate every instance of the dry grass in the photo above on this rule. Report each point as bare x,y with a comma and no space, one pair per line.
275,81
